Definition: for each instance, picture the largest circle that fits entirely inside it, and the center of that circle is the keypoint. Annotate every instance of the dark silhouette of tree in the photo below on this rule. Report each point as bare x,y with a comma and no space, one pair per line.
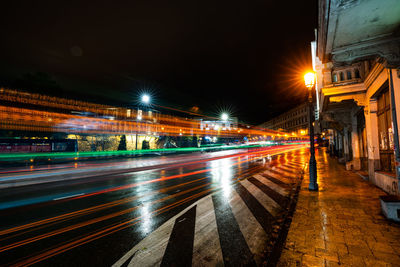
145,144
122,143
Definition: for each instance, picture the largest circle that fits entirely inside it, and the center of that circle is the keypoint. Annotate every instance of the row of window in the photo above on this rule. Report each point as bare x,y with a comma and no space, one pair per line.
340,76
297,112
292,123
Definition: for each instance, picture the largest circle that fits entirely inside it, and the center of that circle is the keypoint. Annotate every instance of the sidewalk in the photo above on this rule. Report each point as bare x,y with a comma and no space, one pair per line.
341,224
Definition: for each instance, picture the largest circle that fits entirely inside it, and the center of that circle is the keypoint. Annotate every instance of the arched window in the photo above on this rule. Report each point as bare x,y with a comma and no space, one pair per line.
341,76
349,75
334,78
357,73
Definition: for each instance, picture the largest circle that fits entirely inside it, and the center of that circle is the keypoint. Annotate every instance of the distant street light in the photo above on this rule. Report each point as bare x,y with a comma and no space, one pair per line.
224,116
146,99
309,80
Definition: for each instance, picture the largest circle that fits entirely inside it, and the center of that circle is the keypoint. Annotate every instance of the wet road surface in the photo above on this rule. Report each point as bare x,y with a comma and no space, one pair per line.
224,210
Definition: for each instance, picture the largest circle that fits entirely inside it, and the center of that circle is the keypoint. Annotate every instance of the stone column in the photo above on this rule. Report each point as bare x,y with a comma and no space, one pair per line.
355,144
346,144
340,145
371,125
337,146
396,87
331,142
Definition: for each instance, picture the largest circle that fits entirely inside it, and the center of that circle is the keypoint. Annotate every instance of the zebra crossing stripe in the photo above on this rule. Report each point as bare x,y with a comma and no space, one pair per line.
233,244
281,190
179,250
268,203
252,231
206,247
225,228
259,212
277,179
282,173
278,198
150,250
295,164
289,170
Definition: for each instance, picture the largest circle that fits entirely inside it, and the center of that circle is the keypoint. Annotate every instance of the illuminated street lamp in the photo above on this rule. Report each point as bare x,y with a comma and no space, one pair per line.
309,80
145,98
224,116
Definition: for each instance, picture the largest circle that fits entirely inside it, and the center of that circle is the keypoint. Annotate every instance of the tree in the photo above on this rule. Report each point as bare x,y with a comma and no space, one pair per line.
122,143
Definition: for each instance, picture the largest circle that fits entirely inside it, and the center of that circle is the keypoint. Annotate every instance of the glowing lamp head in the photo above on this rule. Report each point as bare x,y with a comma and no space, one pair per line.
145,98
224,116
309,80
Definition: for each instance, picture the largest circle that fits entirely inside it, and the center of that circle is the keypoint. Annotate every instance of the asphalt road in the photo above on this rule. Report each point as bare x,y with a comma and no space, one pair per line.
219,208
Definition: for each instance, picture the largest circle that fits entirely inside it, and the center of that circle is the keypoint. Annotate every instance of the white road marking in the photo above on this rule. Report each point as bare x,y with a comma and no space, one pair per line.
287,173
271,185
206,247
150,251
278,177
268,203
253,233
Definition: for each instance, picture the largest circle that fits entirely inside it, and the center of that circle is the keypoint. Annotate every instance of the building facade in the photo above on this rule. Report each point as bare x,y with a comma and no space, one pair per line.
294,121
357,61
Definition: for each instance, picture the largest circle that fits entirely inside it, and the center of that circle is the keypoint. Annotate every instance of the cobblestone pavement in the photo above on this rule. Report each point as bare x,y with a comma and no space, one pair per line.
341,224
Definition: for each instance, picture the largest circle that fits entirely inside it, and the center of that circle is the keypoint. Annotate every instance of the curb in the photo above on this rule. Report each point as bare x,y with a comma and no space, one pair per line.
274,255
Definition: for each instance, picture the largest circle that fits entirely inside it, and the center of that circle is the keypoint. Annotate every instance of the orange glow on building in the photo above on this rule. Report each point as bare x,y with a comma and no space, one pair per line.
104,119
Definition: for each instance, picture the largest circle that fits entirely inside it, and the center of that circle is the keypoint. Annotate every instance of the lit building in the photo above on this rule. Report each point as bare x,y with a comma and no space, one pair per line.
294,120
218,125
357,58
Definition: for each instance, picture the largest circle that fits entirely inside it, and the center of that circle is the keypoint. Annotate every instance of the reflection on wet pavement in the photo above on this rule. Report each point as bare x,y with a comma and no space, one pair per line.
341,224
224,206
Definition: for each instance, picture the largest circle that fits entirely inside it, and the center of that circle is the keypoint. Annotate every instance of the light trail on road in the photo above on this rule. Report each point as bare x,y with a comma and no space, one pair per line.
109,230
100,215
96,191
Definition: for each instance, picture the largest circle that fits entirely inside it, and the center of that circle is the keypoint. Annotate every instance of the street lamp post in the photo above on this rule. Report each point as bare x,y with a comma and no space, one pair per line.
145,99
309,80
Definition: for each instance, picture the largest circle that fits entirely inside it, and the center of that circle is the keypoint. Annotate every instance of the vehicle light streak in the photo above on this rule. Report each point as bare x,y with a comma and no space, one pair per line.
55,155
132,185
113,228
175,176
98,191
68,196
109,216
92,221
122,225
71,215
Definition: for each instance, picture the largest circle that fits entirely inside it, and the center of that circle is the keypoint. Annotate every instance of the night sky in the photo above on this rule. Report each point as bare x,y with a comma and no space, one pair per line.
246,57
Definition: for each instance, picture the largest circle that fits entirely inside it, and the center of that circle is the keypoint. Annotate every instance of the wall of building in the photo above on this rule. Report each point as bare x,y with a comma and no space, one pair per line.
359,72
293,120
